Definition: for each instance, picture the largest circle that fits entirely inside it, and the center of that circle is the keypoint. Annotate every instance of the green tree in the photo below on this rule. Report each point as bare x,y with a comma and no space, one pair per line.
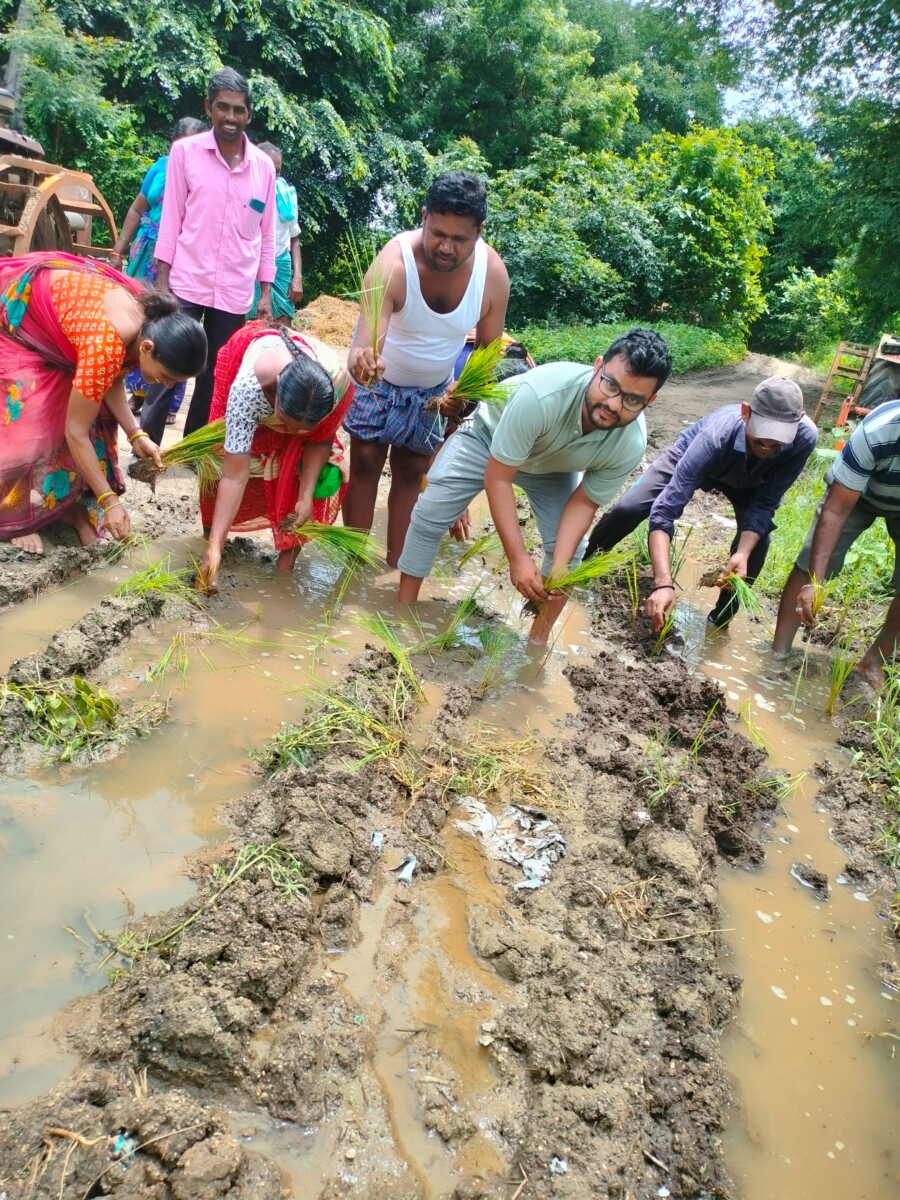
509,72
706,191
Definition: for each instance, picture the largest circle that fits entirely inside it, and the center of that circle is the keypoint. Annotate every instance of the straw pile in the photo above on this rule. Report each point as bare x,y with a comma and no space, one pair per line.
329,319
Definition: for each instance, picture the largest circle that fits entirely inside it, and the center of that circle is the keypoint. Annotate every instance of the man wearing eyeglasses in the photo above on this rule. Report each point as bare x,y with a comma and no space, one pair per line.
569,435
751,453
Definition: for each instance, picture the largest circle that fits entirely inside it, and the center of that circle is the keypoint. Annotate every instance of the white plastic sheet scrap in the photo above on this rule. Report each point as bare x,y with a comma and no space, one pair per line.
524,837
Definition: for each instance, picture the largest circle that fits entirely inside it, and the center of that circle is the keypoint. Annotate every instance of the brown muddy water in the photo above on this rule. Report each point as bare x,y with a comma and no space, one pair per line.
819,1106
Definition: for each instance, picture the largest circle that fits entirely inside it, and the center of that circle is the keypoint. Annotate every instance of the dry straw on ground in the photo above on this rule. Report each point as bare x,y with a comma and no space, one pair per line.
330,319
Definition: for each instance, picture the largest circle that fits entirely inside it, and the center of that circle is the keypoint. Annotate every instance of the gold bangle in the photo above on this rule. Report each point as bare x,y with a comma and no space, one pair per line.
118,504
103,496
135,434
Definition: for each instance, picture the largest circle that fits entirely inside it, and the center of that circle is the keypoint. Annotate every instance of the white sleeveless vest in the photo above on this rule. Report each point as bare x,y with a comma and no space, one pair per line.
422,345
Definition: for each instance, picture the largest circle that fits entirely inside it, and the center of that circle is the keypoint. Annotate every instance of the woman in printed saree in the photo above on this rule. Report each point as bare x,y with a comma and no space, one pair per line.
70,329
283,396
140,230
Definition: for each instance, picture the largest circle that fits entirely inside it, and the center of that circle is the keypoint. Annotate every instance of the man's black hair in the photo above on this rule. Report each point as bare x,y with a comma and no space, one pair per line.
459,193
645,352
228,80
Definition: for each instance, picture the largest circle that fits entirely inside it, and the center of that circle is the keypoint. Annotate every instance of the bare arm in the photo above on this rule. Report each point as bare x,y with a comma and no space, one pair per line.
662,597
117,403
496,297
523,573
315,456
80,416
574,523
130,227
296,289
839,503
235,473
737,564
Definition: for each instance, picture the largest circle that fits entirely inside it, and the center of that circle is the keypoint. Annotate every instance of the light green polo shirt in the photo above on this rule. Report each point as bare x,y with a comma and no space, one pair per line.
539,431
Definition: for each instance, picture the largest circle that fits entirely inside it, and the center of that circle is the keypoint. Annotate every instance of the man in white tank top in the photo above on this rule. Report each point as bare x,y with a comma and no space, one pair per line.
439,282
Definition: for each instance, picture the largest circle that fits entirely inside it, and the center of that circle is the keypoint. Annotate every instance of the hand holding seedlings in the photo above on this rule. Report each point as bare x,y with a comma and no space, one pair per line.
658,604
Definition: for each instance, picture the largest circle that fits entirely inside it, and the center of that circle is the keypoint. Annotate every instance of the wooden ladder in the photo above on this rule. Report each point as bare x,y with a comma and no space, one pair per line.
845,381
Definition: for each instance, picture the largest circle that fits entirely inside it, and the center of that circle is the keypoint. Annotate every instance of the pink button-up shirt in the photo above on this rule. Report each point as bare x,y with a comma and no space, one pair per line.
218,226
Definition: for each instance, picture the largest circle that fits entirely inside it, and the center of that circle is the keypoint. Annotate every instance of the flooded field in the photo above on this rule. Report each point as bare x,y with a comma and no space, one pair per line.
227,977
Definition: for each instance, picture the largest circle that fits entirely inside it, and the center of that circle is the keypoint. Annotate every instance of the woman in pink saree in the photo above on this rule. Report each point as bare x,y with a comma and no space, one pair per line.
70,329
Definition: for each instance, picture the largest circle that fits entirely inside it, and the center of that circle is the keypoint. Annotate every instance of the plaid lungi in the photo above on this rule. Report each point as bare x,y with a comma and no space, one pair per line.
396,416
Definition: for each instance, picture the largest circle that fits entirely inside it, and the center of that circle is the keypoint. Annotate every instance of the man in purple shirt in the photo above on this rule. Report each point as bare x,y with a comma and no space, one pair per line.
216,235
751,453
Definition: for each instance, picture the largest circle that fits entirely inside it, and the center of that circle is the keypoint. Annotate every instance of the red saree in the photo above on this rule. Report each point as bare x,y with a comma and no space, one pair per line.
274,484
39,481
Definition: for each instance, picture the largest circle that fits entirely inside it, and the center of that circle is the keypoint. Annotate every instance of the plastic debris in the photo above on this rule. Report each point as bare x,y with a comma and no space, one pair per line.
404,871
376,837
123,1149
558,1166
524,837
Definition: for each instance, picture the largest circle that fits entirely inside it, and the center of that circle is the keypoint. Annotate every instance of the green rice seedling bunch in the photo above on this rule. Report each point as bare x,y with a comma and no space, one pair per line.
496,669
678,555
488,543
345,547
200,450
746,597
372,285
450,635
589,570
478,383
754,732
386,632
663,635
159,577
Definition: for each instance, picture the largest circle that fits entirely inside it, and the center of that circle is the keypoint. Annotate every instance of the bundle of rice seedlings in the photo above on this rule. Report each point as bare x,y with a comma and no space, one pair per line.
344,546
376,624
497,666
746,597
477,383
587,571
159,577
488,543
201,450
373,286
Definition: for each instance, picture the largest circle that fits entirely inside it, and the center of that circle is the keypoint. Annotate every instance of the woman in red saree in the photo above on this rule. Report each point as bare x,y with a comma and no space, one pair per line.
70,328
283,396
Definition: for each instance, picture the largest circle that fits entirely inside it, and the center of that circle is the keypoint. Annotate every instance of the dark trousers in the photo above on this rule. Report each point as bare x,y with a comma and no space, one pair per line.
219,327
635,505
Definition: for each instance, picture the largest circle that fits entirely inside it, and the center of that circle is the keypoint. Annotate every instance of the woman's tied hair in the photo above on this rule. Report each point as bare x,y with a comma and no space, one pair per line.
304,389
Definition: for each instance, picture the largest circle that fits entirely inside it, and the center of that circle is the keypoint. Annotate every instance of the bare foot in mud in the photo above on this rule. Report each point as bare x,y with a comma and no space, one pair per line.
286,559
869,675
29,542
80,522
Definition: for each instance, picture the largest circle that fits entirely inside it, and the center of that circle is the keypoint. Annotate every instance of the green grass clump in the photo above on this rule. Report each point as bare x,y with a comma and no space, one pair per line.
692,348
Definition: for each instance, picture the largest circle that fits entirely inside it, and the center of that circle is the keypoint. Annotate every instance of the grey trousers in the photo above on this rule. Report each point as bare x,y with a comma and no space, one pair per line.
455,479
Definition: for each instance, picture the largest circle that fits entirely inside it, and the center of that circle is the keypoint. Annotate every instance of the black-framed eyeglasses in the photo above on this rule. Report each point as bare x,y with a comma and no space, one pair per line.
630,402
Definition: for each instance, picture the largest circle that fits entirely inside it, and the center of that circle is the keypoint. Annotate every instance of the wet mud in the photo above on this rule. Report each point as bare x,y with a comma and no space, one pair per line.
311,1023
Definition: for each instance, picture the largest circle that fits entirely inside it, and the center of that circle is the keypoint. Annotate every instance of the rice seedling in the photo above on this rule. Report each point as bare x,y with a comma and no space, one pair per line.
114,552
372,288
159,577
678,553
338,724
283,868
781,786
703,735
376,624
746,597
754,732
450,635
177,654
477,383
70,717
488,543
663,635
632,583
200,450
496,669
842,665
662,772
589,570
345,547
490,764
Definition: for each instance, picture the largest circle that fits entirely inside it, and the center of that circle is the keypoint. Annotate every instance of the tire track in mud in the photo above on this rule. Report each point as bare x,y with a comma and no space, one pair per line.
606,1058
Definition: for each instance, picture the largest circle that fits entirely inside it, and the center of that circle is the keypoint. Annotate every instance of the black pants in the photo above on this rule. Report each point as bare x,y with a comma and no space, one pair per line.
219,327
634,506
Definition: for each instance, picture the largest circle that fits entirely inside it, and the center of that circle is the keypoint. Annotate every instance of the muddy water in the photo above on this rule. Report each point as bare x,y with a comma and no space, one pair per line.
820,1106
83,847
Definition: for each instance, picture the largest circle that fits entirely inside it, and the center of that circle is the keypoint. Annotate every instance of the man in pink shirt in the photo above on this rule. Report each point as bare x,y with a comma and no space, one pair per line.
216,235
